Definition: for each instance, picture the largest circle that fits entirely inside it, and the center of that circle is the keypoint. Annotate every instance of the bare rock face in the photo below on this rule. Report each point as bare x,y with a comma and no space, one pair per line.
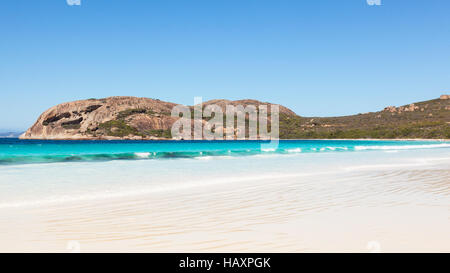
391,109
95,118
114,118
223,103
145,122
408,108
445,97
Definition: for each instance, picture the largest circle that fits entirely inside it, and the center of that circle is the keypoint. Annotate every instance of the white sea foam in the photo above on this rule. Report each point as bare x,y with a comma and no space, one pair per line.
402,147
142,155
296,150
268,150
204,158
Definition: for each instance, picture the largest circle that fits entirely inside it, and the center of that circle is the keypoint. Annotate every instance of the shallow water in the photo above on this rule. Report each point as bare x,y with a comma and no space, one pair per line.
14,151
371,196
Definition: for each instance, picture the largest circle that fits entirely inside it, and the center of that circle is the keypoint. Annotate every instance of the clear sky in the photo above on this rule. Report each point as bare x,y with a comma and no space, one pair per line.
317,57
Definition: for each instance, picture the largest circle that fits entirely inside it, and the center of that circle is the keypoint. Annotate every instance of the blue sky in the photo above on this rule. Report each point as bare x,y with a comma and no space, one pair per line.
317,57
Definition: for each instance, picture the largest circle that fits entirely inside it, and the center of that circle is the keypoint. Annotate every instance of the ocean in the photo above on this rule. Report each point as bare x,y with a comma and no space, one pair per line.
15,151
304,195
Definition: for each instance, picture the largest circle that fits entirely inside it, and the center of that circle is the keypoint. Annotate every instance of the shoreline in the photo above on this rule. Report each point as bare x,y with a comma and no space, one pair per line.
382,199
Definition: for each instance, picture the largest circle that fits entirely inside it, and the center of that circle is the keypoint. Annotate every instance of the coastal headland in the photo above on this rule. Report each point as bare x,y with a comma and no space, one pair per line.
133,118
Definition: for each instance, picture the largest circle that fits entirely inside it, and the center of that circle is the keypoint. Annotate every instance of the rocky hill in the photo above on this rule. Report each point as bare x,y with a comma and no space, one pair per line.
427,119
115,118
144,118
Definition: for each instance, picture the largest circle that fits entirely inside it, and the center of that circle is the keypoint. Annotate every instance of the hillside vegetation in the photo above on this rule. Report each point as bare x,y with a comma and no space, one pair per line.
144,118
428,119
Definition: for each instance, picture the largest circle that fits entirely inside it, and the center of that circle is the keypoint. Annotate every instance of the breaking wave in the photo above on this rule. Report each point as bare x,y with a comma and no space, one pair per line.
23,152
403,147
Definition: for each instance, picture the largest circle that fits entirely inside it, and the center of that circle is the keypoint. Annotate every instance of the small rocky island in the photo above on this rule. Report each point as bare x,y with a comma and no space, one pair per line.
144,119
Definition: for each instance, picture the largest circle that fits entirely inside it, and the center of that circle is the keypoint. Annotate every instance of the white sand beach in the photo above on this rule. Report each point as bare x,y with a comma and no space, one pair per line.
390,202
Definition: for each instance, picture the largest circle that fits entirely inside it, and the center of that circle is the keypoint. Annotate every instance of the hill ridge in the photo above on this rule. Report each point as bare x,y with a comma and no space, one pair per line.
127,117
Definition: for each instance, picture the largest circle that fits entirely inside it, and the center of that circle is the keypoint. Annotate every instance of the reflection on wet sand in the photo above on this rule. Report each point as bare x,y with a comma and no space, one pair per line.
385,209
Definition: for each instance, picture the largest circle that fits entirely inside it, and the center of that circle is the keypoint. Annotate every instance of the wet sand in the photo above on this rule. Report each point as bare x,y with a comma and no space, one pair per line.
379,209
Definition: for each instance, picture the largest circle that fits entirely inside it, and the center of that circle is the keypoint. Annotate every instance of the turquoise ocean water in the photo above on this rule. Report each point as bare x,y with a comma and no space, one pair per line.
35,172
15,151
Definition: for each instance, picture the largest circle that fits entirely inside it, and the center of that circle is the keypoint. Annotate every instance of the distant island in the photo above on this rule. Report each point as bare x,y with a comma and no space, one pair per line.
145,119
10,134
